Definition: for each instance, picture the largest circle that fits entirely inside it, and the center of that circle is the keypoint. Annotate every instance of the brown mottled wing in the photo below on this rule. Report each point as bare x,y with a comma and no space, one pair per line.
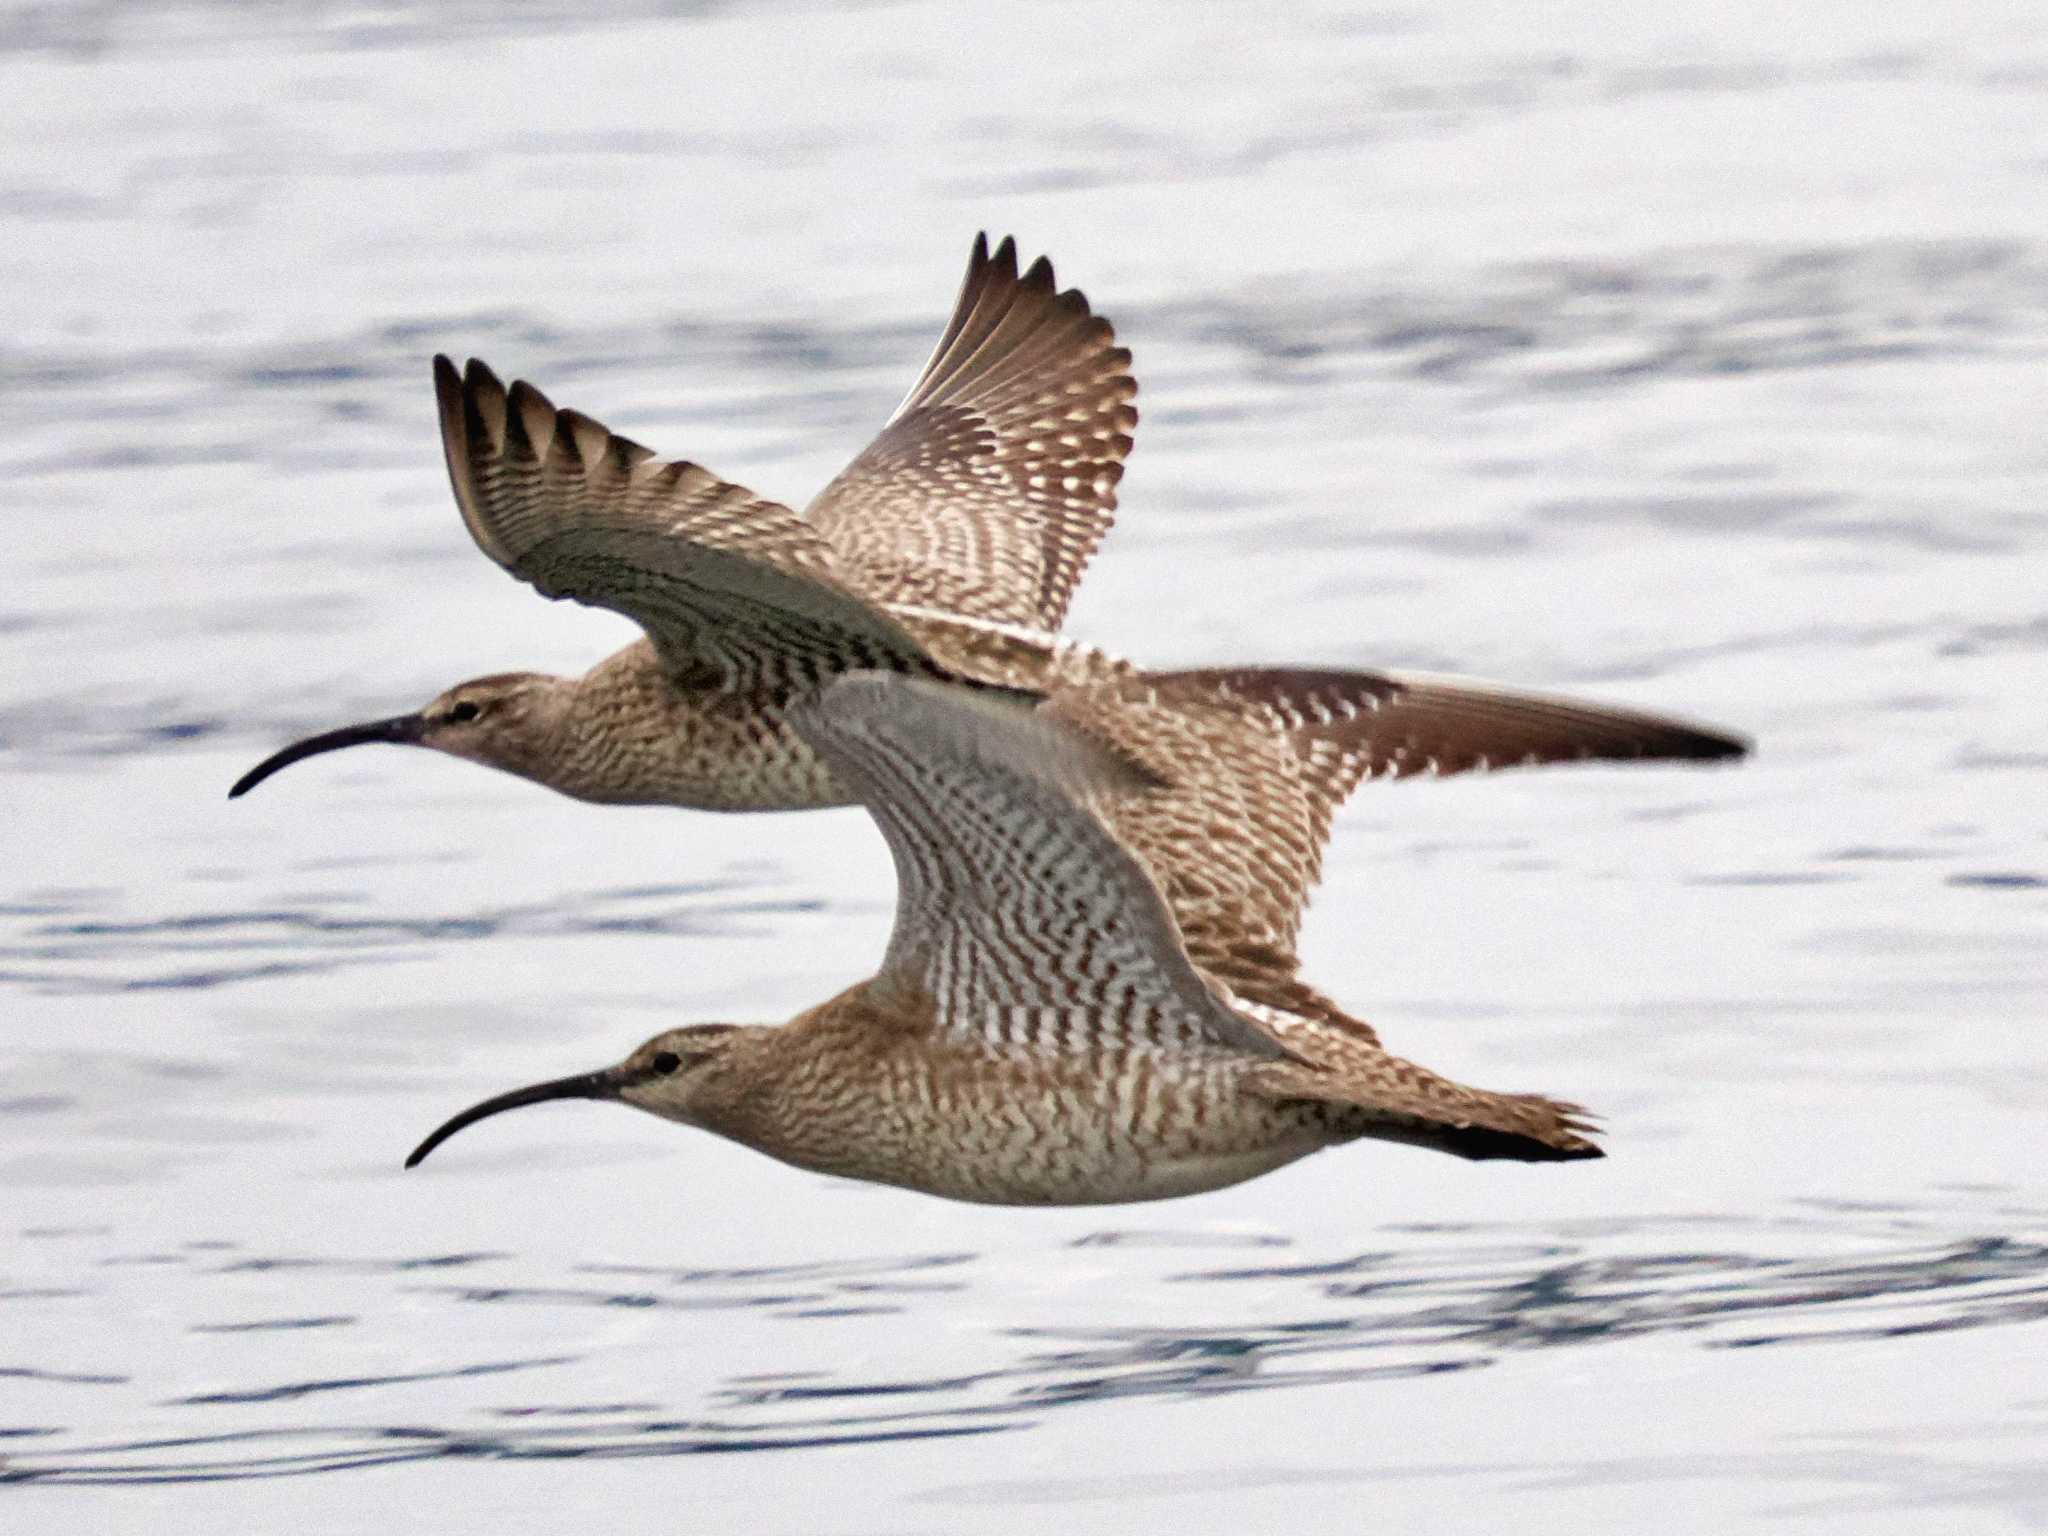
1017,913
996,478
729,586
1360,725
1233,828
1271,753
1252,764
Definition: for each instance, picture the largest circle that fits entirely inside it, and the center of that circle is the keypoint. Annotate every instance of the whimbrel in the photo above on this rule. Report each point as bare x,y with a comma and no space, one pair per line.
948,548
1037,1034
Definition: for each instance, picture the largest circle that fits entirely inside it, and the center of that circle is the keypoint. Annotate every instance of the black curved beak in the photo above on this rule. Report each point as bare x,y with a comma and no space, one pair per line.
403,729
589,1085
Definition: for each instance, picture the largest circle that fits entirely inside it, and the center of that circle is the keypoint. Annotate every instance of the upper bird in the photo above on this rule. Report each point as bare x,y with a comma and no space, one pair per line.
1037,1034
949,548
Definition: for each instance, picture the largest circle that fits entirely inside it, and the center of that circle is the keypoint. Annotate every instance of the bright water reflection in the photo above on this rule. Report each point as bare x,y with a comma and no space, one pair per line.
1693,358
1424,1300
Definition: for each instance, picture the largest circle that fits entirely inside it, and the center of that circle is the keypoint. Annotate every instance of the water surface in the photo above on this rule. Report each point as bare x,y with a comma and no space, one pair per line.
1687,360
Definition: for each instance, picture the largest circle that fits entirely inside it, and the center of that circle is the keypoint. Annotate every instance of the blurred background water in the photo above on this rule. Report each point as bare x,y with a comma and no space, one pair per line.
1686,357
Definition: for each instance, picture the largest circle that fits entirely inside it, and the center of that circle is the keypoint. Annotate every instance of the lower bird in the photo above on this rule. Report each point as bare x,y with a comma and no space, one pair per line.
1038,1033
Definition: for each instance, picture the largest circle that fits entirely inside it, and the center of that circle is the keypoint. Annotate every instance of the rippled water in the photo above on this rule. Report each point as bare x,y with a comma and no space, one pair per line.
1690,358
1419,1300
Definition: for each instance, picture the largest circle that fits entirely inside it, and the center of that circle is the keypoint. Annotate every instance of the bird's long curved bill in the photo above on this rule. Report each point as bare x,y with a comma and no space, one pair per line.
404,729
588,1085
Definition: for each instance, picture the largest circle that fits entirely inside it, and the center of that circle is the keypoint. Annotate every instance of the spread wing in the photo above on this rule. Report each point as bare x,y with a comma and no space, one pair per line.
996,478
1251,764
1229,826
1017,913
1349,726
731,588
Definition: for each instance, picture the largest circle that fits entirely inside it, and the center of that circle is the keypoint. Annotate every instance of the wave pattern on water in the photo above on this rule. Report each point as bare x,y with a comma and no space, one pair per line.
1496,336
58,949
1685,357
1421,1300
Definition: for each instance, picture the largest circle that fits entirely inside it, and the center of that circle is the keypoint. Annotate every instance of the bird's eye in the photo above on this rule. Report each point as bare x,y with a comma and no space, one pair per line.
464,711
666,1062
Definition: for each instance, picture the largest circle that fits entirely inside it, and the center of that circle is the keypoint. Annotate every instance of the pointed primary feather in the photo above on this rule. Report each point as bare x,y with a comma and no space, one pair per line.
725,583
1290,745
1396,724
1018,915
995,480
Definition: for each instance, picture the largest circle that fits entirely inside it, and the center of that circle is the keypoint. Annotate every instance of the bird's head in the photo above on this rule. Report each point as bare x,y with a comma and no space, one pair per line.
672,1076
508,720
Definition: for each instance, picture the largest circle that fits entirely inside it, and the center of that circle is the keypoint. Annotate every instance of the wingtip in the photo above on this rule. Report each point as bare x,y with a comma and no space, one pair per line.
1728,747
528,397
1573,1136
477,376
1688,741
1545,1131
448,391
1487,1144
1003,267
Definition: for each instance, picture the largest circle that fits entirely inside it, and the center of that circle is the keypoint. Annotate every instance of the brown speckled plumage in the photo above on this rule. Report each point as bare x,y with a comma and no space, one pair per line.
1037,1033
949,548
991,486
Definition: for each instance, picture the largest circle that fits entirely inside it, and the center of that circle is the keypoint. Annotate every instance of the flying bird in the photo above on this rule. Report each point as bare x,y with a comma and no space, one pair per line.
1038,1033
948,549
